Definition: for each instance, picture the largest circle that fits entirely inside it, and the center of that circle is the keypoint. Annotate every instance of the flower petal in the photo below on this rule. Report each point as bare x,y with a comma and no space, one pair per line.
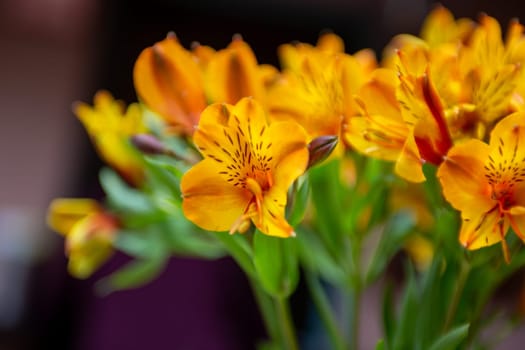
64,213
209,200
409,165
89,244
288,151
233,73
273,222
462,177
169,81
481,229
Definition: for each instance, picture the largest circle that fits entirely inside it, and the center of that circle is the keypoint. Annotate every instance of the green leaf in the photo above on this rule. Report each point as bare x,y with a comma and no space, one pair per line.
269,345
321,262
135,274
388,316
406,325
121,197
397,228
145,244
452,339
276,263
299,201
380,345
184,238
327,197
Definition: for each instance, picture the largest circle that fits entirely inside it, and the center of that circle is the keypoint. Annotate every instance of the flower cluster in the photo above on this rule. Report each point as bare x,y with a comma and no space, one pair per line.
220,142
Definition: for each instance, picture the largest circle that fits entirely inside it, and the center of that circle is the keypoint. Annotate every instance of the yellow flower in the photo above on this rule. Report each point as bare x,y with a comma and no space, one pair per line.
248,166
378,129
110,129
233,73
89,232
440,27
168,79
492,68
486,183
317,85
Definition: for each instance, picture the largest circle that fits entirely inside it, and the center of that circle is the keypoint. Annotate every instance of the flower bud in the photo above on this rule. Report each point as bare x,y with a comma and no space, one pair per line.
148,144
320,148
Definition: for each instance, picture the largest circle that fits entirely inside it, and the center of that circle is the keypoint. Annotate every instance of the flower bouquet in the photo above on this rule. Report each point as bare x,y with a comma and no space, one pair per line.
331,169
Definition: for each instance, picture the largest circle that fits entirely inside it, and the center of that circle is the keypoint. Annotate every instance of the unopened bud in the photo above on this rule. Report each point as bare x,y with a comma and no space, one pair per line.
148,144
320,148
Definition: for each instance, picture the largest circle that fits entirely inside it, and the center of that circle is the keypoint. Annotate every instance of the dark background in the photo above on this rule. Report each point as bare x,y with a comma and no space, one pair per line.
53,52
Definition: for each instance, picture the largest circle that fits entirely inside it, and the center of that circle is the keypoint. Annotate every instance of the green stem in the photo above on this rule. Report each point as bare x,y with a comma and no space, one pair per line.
238,253
268,312
354,299
325,312
464,270
285,321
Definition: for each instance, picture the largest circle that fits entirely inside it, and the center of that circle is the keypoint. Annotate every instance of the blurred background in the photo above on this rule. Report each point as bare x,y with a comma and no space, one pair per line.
54,52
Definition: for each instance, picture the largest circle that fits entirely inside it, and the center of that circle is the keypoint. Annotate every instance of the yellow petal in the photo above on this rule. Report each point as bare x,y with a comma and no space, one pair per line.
482,229
64,213
89,244
288,151
440,27
273,222
517,222
409,165
311,94
210,201
202,54
462,177
110,126
379,94
511,130
331,43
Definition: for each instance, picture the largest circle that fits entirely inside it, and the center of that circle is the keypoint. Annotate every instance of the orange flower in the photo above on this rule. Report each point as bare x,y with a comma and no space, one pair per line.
169,81
247,168
486,183
89,233
317,85
400,119
110,127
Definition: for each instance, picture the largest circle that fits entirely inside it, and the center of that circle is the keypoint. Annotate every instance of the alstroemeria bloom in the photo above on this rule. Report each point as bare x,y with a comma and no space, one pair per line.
439,29
169,81
378,130
248,166
317,84
492,69
89,233
110,127
486,183
400,118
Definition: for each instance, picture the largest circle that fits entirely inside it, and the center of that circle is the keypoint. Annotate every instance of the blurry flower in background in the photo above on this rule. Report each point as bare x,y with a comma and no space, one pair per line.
111,126
169,81
317,84
88,230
